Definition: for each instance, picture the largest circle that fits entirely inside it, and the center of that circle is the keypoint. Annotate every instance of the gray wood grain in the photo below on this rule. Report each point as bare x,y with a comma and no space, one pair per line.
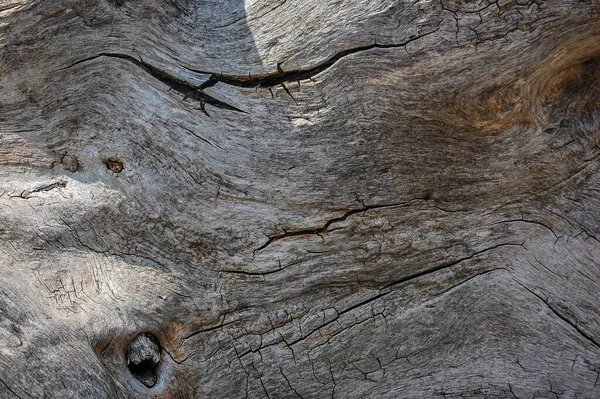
300,199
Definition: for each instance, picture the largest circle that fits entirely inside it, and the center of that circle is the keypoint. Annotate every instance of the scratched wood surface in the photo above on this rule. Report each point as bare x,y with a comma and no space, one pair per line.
300,199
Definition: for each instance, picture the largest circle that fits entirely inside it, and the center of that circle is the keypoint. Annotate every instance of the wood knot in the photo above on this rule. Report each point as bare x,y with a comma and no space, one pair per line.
143,357
114,165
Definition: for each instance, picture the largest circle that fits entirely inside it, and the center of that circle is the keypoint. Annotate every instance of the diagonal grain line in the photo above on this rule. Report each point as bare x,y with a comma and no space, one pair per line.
585,335
448,264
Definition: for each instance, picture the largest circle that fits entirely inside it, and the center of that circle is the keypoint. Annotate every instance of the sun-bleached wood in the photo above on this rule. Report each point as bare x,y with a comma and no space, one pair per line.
300,198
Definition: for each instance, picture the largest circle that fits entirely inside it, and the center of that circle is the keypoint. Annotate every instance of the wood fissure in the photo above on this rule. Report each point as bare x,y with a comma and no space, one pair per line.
299,199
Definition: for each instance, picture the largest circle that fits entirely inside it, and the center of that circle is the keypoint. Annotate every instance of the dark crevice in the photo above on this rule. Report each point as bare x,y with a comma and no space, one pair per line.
143,357
261,273
175,83
145,372
49,187
26,194
280,77
265,80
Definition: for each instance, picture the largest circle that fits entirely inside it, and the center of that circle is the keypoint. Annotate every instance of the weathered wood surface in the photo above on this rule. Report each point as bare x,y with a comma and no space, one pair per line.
312,199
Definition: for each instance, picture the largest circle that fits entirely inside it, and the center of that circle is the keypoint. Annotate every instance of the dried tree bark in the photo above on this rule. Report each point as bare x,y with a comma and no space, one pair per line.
301,198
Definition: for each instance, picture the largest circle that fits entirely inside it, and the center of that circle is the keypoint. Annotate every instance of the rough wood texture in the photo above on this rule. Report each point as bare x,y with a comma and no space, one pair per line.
300,198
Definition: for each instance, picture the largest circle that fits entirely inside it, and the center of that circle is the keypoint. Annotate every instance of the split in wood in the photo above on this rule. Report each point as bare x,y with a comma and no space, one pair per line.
175,83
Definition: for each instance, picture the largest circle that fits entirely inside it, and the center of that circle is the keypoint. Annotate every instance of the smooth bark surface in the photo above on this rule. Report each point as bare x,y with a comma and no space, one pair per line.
300,199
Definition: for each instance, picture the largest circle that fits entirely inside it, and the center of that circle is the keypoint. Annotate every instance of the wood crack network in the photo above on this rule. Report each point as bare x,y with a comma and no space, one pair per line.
300,199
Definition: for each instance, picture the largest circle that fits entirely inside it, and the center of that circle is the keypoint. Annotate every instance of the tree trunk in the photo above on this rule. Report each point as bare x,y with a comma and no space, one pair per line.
301,198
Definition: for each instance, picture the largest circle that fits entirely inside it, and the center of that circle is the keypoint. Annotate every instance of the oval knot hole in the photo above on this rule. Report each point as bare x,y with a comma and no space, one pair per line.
143,356
114,165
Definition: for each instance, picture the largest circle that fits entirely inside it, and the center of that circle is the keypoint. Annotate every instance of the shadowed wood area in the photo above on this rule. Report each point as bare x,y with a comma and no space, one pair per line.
300,199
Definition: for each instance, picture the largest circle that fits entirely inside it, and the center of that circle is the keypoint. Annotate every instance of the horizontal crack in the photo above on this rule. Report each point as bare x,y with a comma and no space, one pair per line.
325,227
265,80
26,194
175,83
260,273
280,77
208,329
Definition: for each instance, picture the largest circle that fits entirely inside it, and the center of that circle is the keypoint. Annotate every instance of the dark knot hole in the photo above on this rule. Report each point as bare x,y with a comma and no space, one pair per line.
143,357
